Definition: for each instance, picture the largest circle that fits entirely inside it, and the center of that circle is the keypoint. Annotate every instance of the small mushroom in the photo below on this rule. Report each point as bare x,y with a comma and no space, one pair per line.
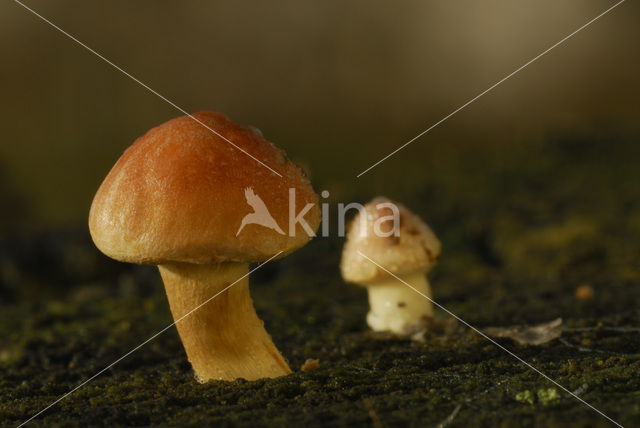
176,199
395,238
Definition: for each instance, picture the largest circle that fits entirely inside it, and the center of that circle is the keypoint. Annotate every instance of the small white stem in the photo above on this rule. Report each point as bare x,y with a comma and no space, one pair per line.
396,307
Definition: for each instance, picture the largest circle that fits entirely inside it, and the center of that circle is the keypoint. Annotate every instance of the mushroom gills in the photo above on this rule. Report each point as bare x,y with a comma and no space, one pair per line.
224,339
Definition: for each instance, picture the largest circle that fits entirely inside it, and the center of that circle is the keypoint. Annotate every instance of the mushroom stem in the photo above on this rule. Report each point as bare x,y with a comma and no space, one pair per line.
398,308
224,339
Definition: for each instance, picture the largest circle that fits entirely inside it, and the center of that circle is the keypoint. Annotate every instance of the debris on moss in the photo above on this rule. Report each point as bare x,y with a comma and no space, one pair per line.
310,364
537,334
584,292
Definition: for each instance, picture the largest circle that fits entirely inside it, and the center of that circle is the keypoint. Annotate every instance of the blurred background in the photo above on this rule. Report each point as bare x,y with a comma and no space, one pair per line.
337,84
535,178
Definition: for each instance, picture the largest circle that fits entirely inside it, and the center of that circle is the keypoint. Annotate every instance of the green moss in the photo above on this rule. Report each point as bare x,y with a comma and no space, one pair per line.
526,397
521,231
547,396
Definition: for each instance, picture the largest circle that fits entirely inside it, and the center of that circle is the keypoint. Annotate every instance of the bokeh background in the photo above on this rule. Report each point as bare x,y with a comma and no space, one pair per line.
337,84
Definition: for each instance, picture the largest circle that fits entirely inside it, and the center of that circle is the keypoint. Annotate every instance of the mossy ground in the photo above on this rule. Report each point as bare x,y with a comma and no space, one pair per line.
521,231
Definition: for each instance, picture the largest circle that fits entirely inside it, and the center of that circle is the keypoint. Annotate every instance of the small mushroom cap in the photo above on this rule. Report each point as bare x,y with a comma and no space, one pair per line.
178,195
414,249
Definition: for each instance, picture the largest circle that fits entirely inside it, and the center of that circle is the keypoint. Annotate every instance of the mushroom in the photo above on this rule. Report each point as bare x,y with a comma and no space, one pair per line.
398,240
176,199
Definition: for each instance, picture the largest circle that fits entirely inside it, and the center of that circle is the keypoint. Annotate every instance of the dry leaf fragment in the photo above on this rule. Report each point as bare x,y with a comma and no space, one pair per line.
529,334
